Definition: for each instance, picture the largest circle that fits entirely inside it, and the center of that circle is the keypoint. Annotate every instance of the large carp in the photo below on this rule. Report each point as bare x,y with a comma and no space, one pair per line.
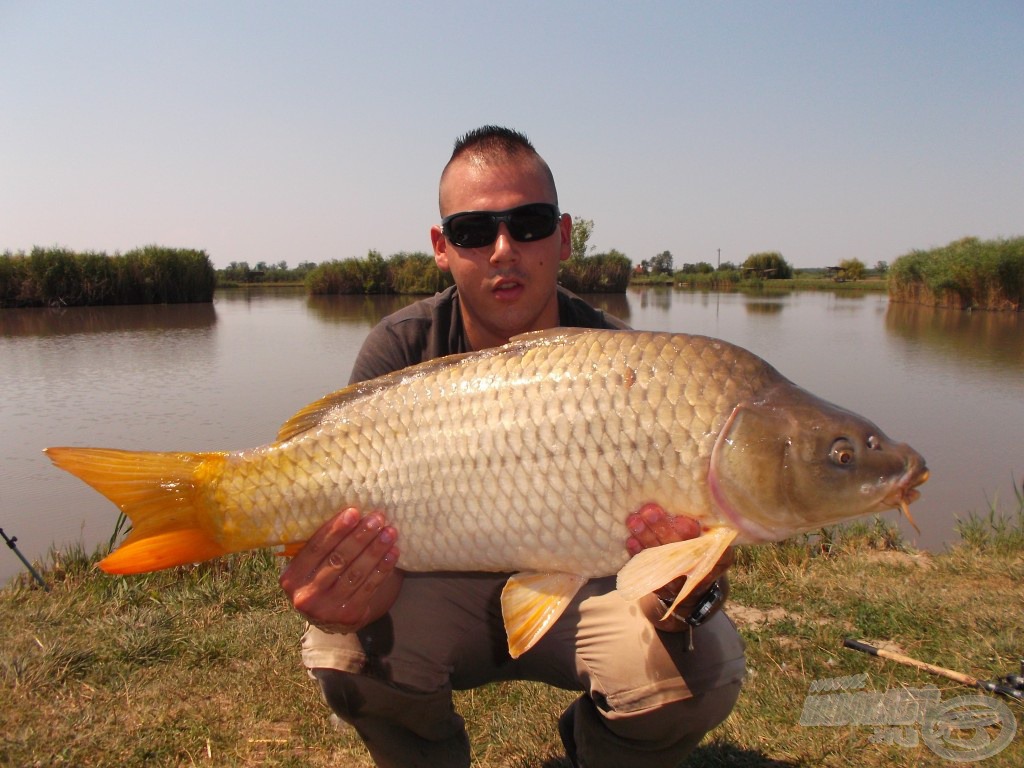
527,458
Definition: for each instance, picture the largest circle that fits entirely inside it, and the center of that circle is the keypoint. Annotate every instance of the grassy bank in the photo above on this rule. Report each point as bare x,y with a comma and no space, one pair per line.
200,665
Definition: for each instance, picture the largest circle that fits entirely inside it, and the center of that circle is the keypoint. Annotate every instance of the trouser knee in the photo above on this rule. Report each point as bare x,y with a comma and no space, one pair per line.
357,699
678,721
658,736
400,728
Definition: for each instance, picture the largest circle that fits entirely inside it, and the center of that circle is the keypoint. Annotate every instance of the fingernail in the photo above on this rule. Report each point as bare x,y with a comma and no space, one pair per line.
635,524
387,536
651,513
349,516
374,523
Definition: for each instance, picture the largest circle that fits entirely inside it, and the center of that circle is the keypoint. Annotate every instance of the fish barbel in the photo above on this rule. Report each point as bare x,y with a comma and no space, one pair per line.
527,458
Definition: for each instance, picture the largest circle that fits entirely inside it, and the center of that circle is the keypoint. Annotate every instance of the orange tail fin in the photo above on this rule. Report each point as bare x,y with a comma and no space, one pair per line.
159,492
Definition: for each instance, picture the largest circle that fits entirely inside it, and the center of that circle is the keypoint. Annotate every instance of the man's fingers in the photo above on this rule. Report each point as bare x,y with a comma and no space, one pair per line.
335,548
650,526
322,543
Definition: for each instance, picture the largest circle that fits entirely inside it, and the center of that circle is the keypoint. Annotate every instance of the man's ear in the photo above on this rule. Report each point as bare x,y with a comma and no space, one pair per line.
440,244
565,232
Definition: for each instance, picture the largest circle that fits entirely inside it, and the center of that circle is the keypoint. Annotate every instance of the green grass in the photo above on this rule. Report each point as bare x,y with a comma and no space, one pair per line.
200,665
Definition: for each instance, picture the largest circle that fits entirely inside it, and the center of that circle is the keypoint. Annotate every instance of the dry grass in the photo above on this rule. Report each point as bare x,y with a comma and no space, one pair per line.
200,666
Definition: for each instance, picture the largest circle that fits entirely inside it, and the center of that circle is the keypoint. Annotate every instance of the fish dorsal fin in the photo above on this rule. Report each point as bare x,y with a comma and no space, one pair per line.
657,566
314,413
531,602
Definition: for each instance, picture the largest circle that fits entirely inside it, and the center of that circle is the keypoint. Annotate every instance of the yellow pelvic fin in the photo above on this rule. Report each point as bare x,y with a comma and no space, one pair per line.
160,493
657,566
530,604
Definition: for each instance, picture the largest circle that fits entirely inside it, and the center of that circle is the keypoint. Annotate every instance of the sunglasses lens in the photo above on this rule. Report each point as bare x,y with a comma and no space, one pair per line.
472,230
526,223
533,222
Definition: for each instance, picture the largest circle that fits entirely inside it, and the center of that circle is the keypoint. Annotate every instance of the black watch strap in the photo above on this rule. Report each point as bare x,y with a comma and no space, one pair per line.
706,606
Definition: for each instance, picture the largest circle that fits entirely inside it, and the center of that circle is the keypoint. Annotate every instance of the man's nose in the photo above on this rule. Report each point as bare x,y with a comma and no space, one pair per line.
504,248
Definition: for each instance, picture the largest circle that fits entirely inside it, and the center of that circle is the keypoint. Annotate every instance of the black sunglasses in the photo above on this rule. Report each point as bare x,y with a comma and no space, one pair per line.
475,229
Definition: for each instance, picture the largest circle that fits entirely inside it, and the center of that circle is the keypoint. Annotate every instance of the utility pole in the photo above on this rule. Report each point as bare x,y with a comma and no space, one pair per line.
719,259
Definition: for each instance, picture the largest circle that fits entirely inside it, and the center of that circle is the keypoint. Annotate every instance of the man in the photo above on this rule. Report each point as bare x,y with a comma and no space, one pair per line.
388,648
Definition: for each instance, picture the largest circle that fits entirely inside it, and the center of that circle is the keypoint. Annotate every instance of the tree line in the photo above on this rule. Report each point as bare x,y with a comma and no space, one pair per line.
966,273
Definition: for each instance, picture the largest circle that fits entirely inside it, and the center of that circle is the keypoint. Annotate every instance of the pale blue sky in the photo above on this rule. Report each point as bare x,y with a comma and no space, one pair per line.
312,131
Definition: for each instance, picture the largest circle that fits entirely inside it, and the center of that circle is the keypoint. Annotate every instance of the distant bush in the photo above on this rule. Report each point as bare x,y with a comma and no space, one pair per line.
415,273
241,272
600,273
768,265
407,273
61,277
967,273
853,269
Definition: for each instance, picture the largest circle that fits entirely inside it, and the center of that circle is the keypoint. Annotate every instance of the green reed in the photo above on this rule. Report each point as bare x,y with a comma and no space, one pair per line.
966,274
59,277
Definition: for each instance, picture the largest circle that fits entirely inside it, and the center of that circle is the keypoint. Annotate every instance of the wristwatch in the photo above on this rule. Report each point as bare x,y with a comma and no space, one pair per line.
706,606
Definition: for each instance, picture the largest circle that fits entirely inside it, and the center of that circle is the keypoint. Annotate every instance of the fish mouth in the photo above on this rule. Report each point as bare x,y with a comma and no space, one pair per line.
904,491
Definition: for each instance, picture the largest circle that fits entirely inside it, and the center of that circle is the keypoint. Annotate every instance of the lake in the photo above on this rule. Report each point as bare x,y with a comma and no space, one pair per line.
226,375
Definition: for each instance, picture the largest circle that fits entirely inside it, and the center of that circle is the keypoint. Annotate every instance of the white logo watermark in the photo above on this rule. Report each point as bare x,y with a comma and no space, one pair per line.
963,729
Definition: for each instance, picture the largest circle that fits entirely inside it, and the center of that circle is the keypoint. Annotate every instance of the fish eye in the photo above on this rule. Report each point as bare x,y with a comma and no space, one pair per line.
842,452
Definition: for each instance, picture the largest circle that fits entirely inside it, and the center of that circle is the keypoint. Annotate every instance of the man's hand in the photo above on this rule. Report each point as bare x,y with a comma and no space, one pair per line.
345,575
651,527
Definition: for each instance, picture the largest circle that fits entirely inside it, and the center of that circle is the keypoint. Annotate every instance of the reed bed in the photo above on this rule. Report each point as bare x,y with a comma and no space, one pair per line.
966,274
59,277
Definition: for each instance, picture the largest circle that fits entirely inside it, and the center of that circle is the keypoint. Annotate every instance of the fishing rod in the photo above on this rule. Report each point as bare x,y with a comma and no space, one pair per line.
1010,685
11,543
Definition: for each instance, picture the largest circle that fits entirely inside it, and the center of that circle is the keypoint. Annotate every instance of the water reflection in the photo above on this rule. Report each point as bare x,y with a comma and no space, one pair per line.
356,309
991,338
764,307
90,320
653,298
613,303
248,294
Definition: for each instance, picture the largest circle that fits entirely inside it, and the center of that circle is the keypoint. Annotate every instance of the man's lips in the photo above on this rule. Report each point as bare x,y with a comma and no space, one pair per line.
507,289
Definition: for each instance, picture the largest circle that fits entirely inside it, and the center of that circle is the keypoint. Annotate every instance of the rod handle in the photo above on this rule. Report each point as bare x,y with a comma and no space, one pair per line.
959,677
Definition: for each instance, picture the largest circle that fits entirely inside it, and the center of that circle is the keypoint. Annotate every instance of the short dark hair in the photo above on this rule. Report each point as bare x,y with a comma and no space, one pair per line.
493,140
495,143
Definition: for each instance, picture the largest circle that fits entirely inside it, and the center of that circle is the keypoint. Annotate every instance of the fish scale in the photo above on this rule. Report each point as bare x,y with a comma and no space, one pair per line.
527,458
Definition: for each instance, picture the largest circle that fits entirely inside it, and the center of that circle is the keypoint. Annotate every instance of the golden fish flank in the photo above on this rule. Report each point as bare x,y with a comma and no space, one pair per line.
527,458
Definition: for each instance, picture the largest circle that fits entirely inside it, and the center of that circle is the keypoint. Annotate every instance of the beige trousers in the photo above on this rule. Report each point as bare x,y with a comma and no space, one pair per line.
648,698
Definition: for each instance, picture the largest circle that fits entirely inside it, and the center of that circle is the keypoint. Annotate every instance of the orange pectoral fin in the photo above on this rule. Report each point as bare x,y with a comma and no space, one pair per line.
657,566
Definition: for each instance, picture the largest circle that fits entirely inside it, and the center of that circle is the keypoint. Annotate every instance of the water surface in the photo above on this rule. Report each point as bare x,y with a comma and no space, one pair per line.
227,375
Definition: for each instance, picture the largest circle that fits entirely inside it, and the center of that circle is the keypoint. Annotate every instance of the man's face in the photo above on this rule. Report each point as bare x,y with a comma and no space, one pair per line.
506,287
